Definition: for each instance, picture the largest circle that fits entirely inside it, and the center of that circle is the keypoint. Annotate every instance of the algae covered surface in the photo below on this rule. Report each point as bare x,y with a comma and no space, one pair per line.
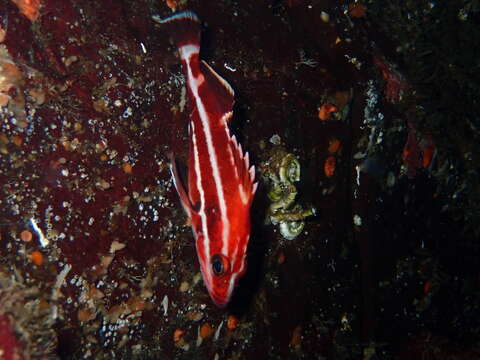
362,121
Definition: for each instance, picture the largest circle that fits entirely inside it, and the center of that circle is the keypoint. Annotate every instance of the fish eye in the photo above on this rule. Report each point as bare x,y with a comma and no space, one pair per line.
219,264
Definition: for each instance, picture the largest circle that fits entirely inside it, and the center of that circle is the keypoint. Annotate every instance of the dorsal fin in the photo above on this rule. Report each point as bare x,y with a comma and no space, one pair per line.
222,102
246,173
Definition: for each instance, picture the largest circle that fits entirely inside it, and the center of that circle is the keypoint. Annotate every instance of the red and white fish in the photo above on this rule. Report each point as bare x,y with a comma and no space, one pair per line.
221,182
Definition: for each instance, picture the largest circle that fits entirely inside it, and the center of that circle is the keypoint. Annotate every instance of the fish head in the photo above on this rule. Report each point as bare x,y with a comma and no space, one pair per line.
223,267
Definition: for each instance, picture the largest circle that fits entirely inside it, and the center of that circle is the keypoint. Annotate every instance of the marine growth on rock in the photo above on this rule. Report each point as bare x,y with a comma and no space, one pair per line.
282,170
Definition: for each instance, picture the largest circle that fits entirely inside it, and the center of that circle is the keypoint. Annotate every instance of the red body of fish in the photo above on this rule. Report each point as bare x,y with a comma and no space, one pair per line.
221,183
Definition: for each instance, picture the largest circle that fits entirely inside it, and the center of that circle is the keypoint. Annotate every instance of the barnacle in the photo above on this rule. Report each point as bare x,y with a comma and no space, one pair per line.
282,170
293,214
282,195
289,169
291,229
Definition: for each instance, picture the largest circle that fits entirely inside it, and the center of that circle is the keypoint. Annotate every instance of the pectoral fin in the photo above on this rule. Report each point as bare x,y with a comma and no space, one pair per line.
179,185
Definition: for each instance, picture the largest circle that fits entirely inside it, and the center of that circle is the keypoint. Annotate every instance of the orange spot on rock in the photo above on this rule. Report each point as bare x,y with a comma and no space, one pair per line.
4,99
172,4
29,8
356,10
281,258
3,33
326,110
334,145
329,167
17,140
177,335
232,322
296,337
94,293
26,236
206,331
127,168
85,314
116,311
36,257
136,303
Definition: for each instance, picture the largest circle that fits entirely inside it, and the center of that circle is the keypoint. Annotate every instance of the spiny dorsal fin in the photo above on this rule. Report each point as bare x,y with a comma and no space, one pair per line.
245,172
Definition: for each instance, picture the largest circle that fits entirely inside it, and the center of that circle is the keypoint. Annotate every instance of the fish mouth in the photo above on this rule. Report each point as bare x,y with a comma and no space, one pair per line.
220,300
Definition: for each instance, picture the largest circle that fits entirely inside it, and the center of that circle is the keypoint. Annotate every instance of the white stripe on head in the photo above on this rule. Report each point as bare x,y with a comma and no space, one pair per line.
212,155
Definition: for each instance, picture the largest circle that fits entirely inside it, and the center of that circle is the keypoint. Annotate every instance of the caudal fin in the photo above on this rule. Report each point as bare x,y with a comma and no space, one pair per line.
185,28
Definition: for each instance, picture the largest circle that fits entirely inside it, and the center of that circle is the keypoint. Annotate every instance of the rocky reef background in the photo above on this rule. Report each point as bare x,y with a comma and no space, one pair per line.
362,119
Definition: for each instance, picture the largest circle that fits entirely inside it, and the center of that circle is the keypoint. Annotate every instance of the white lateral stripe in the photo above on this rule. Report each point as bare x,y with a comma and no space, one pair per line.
201,211
213,159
